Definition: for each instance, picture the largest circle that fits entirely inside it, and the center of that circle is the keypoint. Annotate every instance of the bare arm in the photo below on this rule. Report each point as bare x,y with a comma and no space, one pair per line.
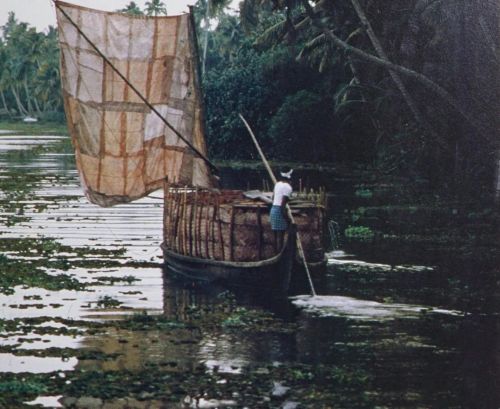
284,202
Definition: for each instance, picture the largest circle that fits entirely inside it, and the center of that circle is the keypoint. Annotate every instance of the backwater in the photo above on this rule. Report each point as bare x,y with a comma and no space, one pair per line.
406,317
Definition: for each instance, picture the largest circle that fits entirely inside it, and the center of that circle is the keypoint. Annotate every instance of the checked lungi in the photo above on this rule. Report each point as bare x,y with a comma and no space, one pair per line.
278,221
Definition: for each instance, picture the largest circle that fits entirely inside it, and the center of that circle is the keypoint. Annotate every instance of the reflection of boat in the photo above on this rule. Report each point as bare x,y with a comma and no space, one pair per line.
133,102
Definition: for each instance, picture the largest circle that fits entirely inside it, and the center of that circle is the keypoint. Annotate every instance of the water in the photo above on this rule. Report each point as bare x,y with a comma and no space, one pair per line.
389,328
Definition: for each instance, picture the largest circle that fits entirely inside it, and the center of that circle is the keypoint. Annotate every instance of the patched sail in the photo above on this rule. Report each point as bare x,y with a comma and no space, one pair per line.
123,149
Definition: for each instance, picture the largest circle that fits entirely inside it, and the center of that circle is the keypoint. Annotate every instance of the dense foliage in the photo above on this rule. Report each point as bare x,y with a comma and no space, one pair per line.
29,72
314,83
407,87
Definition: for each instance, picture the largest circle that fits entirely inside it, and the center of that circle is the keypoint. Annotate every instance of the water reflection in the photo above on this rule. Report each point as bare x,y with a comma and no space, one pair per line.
18,364
384,321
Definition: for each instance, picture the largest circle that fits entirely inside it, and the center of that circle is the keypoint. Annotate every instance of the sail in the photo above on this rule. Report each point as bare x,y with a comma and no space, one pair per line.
123,149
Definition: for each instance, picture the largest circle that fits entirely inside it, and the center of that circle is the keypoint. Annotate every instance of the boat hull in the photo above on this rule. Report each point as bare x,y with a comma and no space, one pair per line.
273,274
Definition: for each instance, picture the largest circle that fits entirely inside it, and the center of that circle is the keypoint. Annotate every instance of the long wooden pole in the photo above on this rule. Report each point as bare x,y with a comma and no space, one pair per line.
288,209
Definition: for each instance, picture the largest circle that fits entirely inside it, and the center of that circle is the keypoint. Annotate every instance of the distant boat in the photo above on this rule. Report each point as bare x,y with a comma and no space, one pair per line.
125,148
30,119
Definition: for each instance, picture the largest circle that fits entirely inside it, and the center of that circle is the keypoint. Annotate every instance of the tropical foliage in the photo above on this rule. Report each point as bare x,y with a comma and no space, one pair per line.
29,72
406,87
132,8
155,8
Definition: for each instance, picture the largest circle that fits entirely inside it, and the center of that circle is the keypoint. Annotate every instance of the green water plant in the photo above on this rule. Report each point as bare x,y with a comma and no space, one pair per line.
107,302
361,233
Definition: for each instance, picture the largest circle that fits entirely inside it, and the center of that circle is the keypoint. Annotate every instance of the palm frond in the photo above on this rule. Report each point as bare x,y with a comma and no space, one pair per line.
249,14
354,34
315,43
272,35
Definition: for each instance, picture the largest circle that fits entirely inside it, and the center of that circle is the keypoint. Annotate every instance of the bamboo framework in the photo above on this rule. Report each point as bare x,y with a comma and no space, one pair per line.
225,225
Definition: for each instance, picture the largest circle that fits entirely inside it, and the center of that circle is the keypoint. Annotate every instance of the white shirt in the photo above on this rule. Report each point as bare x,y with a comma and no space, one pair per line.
281,189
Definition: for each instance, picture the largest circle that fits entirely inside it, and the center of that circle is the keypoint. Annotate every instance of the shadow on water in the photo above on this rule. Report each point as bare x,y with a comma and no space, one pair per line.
393,328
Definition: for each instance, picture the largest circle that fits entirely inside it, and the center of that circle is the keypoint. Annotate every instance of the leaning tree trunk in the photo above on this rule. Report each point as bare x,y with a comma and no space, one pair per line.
394,75
422,79
28,96
37,107
5,106
22,110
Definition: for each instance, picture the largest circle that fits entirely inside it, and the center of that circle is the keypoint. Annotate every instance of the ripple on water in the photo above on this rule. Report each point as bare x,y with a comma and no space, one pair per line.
46,402
55,209
363,310
18,364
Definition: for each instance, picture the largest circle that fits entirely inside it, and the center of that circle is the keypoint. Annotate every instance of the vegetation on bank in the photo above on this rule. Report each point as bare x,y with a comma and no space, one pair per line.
315,84
37,128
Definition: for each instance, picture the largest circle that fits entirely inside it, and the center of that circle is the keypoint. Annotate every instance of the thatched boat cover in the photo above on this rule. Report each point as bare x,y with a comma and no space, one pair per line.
123,149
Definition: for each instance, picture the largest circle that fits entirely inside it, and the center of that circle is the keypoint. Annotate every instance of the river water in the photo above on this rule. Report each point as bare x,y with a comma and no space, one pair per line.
395,326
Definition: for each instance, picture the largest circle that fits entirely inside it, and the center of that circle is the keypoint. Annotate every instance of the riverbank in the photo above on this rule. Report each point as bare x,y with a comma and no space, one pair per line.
37,128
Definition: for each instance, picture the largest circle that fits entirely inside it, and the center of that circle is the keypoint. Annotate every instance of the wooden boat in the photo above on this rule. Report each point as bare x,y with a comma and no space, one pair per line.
222,236
273,273
134,109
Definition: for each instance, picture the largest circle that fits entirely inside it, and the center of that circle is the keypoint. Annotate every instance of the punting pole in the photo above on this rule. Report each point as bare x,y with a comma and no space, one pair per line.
142,97
289,211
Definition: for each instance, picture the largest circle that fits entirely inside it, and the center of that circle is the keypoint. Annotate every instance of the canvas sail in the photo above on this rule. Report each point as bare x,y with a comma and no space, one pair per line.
123,149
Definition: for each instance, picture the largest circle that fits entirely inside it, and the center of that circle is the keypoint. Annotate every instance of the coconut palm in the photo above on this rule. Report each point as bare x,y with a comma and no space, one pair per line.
132,8
155,8
209,9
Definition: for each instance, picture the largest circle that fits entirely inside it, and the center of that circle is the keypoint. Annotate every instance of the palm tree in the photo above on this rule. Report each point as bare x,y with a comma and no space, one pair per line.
132,8
47,81
209,9
155,8
3,88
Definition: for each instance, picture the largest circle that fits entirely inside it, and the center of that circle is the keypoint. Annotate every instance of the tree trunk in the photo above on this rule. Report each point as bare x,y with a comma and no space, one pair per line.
394,75
37,107
28,96
22,110
422,79
5,104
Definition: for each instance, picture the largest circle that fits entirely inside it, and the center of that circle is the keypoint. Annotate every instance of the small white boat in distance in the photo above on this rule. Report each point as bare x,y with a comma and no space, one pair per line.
30,119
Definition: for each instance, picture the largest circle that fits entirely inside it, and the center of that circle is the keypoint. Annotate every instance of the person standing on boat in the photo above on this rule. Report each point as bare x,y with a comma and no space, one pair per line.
278,216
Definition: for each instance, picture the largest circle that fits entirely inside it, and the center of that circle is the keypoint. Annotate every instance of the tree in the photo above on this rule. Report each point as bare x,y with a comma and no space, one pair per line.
401,66
155,8
29,71
207,10
132,8
282,98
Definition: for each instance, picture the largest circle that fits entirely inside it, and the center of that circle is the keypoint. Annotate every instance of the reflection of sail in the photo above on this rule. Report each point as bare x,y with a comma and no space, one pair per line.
178,301
123,149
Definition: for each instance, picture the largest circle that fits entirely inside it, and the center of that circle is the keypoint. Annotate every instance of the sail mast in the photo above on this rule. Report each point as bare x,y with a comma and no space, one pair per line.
197,74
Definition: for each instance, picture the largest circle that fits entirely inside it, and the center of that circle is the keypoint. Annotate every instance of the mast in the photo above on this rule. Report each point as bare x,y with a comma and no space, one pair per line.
193,38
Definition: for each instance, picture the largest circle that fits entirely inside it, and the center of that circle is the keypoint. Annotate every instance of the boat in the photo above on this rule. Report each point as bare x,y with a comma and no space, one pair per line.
225,236
134,108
